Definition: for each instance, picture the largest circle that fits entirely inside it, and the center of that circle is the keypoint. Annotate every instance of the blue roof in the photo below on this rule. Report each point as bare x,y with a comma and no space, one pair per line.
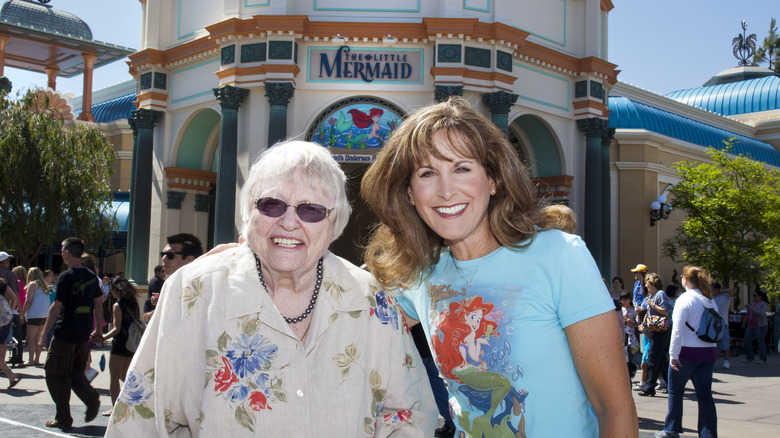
112,109
33,15
628,114
742,97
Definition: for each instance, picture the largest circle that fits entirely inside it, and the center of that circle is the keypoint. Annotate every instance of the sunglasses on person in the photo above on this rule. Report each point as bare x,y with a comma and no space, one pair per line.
306,211
169,254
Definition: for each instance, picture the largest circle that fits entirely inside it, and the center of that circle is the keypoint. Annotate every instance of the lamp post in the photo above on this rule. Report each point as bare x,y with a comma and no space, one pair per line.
659,209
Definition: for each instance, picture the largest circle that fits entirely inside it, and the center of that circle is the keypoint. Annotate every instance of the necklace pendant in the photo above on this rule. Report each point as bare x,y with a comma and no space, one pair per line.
468,283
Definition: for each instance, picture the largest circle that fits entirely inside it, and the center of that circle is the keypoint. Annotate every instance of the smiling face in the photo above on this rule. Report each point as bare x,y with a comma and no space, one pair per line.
286,244
452,196
473,319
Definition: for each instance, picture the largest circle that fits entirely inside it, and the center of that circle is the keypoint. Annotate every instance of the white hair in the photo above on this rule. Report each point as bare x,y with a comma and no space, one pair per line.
281,164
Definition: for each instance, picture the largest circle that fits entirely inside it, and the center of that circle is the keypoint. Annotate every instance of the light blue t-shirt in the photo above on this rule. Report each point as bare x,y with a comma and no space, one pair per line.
500,343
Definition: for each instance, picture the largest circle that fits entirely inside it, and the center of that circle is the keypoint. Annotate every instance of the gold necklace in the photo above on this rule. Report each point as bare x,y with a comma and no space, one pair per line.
457,269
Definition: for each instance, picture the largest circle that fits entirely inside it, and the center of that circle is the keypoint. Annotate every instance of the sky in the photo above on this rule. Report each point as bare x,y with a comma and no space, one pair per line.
659,45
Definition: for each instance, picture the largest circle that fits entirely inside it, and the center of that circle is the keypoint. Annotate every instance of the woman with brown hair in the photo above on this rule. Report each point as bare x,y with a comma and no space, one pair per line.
460,227
691,358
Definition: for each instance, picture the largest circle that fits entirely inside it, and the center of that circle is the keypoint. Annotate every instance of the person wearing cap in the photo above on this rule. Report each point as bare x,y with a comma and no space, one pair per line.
639,275
6,273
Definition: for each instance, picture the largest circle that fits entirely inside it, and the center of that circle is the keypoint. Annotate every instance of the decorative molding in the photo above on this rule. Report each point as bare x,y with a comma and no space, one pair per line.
228,54
160,80
175,199
146,81
279,93
203,202
229,96
593,127
443,92
477,57
430,29
449,53
190,179
499,102
280,50
253,52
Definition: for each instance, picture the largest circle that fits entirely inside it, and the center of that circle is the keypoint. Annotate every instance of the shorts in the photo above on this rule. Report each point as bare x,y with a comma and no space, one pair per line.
5,335
36,321
725,342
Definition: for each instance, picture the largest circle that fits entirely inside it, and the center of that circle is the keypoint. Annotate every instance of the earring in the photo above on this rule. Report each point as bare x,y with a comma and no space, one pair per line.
492,192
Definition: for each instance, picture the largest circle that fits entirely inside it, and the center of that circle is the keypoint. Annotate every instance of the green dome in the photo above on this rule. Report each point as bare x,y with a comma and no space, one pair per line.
35,15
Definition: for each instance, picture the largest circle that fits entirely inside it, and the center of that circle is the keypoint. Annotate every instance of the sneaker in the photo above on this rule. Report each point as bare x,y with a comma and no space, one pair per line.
726,364
91,374
661,386
746,360
760,361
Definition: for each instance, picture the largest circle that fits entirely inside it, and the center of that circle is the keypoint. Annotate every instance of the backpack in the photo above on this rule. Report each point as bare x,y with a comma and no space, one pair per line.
134,333
711,326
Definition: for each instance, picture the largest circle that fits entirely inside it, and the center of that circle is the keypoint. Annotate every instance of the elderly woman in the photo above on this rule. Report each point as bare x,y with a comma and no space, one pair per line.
278,336
518,318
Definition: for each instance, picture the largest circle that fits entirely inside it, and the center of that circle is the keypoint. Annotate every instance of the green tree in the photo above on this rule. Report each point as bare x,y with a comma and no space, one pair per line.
727,202
769,51
52,177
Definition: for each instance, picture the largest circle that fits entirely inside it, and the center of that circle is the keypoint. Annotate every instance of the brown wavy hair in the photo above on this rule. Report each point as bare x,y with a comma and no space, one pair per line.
402,247
698,278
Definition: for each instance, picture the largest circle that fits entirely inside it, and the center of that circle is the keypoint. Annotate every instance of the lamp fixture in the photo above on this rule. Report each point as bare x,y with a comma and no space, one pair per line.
338,39
659,209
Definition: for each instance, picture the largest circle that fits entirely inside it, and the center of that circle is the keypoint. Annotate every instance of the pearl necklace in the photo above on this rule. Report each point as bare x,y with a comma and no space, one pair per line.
313,297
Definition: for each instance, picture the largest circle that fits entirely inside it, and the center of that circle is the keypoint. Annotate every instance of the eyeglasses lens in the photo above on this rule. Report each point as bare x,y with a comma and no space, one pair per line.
168,255
307,212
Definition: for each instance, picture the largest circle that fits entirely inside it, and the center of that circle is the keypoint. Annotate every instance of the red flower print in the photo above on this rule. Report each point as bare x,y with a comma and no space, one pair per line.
257,401
224,377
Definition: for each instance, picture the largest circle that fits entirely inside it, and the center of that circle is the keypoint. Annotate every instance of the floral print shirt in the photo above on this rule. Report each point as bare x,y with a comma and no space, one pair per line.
218,360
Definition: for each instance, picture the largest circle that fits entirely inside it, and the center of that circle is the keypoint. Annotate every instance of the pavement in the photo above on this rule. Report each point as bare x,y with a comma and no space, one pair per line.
747,397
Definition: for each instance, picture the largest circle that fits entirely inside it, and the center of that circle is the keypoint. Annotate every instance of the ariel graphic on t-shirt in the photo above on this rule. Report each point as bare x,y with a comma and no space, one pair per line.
462,331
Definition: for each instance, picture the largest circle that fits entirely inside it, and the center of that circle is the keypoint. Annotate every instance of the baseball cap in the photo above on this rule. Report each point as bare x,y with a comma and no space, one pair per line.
5,256
640,268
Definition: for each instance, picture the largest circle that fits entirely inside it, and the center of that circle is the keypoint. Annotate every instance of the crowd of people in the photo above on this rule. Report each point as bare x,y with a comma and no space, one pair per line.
513,324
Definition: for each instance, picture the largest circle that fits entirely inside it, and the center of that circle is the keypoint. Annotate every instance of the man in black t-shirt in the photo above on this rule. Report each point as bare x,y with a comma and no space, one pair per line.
155,286
77,305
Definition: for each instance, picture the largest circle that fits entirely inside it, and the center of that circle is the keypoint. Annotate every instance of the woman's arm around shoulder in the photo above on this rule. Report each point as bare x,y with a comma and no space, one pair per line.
597,350
409,409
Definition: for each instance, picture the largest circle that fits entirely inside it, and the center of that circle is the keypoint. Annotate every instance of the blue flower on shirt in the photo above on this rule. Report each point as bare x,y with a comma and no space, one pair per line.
237,394
385,311
250,355
135,390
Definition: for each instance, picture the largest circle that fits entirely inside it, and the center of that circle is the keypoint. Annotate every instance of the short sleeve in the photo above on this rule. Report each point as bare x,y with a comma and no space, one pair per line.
407,302
580,292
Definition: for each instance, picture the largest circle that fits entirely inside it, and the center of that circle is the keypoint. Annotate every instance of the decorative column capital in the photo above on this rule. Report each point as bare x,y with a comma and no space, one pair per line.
443,92
594,127
174,199
203,202
144,119
499,102
279,93
230,97
607,136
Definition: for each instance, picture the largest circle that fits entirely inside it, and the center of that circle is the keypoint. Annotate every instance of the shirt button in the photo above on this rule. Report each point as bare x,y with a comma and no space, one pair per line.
300,393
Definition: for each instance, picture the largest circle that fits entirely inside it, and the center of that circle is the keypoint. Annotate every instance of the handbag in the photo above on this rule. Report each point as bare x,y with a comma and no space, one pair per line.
6,314
655,323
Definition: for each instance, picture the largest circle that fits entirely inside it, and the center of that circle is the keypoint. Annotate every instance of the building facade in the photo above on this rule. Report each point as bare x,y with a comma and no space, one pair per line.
219,82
